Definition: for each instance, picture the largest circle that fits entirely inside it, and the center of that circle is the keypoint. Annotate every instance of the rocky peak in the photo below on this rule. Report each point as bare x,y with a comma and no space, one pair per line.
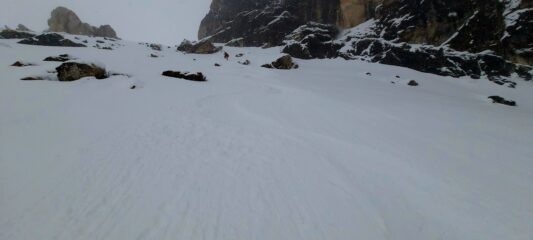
65,20
22,28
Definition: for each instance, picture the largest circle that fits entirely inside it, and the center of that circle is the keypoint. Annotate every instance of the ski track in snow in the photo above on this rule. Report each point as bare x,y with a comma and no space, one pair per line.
322,152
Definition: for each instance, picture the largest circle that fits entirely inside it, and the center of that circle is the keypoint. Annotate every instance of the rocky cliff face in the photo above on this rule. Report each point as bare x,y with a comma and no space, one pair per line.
354,12
260,22
65,20
234,19
500,28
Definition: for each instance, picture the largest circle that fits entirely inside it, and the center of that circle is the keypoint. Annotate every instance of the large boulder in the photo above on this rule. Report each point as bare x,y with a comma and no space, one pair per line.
200,47
14,34
65,20
285,63
72,71
51,39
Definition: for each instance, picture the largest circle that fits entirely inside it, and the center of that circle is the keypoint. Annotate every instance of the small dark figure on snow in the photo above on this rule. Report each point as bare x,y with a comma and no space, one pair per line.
226,56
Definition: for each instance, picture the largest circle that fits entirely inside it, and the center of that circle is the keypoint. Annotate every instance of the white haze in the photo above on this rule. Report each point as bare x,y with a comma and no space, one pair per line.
164,21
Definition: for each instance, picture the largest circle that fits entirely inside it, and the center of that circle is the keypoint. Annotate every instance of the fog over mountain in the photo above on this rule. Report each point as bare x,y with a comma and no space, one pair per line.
286,120
165,21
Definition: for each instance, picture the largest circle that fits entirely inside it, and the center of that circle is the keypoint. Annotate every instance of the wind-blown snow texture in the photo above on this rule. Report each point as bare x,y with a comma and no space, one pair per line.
321,152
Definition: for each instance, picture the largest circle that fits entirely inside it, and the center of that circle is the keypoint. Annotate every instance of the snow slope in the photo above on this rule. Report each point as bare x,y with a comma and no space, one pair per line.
322,152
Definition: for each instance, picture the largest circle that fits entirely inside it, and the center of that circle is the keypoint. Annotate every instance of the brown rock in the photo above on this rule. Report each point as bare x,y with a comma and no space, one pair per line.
72,71
201,47
284,62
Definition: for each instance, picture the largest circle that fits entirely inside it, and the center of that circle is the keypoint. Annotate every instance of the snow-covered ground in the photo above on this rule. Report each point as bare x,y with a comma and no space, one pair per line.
321,152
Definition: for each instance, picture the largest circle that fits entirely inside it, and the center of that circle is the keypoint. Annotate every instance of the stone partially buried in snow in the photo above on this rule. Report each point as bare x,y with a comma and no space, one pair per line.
413,83
284,63
245,62
197,77
21,64
155,47
501,100
51,39
32,78
60,58
201,47
72,71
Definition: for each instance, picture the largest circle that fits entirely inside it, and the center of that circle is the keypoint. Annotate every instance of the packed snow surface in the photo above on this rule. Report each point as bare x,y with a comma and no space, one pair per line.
321,152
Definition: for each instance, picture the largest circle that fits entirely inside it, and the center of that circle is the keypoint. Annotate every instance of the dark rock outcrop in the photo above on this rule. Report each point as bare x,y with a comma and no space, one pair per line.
32,78
263,22
412,83
72,71
501,100
200,47
60,58
474,26
196,77
65,20
21,64
51,39
313,40
437,60
14,34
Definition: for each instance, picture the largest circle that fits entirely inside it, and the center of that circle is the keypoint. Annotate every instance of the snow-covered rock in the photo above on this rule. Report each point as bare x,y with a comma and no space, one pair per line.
313,40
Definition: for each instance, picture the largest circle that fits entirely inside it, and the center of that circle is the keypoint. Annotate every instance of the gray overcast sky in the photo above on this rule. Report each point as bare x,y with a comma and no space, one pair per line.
163,21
